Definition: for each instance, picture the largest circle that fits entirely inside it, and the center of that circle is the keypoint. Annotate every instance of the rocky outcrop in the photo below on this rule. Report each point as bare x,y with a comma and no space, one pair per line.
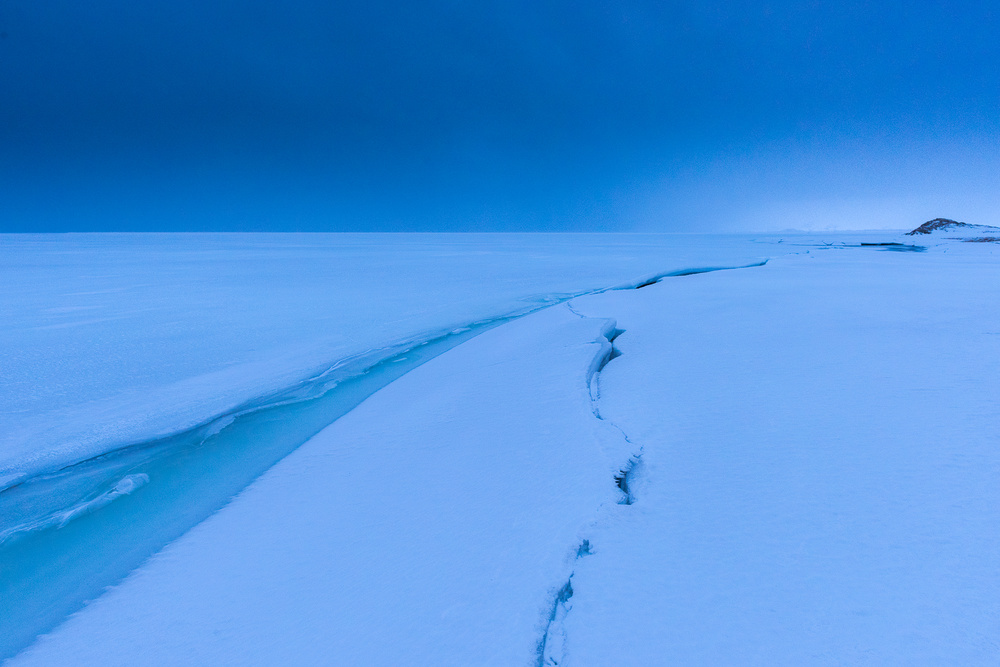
938,224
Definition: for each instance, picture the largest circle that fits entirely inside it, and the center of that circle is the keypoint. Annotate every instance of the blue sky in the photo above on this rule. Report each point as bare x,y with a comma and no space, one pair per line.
375,115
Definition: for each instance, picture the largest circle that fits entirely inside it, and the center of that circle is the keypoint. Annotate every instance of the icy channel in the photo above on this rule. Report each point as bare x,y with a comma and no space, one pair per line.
67,535
58,551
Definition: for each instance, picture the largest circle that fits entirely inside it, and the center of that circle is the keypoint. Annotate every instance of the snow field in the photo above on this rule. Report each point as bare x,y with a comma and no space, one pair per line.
786,464
114,339
820,466
431,525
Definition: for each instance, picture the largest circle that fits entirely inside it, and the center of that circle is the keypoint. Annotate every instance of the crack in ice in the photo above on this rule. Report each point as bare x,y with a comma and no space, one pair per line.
551,648
74,489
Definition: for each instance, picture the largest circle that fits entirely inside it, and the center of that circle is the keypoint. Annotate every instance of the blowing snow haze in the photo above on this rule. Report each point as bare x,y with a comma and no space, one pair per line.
509,115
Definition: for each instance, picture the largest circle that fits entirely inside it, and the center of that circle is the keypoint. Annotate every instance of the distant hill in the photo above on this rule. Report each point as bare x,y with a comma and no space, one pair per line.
939,224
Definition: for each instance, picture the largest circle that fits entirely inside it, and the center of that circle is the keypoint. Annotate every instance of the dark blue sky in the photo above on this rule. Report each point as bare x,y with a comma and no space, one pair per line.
243,114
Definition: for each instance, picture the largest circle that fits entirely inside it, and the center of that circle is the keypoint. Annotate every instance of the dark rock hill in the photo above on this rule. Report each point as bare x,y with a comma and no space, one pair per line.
936,224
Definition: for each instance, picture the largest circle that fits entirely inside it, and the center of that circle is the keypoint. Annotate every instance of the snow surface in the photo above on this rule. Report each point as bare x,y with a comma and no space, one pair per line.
112,339
819,471
788,464
425,527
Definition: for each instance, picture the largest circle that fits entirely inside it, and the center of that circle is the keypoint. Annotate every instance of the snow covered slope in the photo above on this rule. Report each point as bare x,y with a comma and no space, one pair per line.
955,229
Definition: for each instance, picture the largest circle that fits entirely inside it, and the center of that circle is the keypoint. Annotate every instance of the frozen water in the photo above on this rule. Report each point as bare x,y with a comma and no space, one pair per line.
807,450
114,339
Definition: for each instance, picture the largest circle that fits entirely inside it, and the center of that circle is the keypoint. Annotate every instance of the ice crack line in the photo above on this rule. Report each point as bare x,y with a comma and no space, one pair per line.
608,353
551,648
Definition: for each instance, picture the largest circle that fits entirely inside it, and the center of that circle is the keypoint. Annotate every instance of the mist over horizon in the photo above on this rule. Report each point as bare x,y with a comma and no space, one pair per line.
499,116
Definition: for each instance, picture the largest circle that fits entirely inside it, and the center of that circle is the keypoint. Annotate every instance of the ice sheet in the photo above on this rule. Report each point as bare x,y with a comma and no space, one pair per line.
793,463
428,526
110,339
